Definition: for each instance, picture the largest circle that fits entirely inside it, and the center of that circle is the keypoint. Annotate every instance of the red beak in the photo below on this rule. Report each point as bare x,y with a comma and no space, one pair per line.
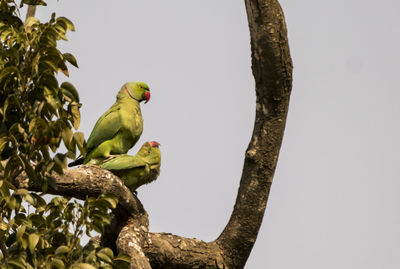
146,95
154,144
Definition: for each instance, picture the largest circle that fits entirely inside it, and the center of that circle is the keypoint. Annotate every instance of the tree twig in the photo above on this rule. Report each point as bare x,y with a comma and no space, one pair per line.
31,11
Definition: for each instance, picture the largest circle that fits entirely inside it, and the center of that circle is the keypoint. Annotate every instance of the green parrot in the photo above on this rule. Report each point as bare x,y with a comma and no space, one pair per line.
120,127
137,170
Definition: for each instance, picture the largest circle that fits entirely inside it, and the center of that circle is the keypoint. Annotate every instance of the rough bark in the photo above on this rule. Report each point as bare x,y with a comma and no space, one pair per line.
128,233
87,180
171,251
272,70
131,240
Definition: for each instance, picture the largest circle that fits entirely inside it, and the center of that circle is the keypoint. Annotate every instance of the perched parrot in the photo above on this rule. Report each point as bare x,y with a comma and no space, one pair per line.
120,127
137,170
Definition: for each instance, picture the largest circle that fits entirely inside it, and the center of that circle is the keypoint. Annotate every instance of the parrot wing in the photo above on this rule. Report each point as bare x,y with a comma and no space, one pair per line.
123,162
106,127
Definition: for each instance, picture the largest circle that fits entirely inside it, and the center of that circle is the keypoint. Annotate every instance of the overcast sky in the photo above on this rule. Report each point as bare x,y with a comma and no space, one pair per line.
334,202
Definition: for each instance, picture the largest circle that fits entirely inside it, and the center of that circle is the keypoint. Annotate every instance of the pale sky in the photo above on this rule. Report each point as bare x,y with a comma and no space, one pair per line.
334,202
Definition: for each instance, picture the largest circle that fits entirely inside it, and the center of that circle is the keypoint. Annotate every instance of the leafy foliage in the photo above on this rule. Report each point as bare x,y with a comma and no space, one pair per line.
36,112
36,115
50,236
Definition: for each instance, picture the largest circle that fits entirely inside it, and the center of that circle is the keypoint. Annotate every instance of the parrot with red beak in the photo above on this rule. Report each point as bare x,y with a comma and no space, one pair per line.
137,170
120,127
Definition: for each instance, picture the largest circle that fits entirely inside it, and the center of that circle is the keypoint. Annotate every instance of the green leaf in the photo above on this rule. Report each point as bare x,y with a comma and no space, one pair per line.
20,232
37,220
50,82
20,219
61,30
76,115
3,226
107,251
5,33
33,240
98,226
80,142
62,250
45,186
5,188
30,199
3,142
57,263
16,263
51,100
30,22
24,243
39,201
53,66
71,154
28,168
70,58
122,261
61,160
69,24
67,138
9,72
22,192
104,257
111,199
11,202
82,266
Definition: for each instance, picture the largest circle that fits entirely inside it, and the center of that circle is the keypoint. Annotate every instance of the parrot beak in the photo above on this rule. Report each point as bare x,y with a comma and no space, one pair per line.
146,96
154,144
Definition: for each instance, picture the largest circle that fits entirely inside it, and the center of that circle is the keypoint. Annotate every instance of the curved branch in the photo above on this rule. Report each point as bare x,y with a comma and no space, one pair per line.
272,70
86,180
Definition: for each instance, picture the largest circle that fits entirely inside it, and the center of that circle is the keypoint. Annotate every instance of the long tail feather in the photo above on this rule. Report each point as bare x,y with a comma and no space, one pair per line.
76,162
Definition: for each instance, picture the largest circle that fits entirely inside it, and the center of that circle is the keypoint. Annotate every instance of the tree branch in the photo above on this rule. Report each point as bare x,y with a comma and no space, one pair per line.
30,12
272,70
131,240
87,180
167,251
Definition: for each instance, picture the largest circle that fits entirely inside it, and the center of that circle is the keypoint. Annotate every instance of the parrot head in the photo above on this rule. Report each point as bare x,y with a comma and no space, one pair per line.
154,144
137,90
151,152
155,153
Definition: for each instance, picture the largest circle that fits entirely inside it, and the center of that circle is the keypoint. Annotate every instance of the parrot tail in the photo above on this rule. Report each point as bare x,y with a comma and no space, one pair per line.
76,162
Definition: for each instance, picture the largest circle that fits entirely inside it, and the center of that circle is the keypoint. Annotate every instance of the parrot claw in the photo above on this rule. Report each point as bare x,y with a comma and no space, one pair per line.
110,157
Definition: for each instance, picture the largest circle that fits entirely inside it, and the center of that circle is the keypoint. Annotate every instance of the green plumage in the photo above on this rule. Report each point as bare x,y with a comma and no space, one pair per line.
120,127
137,170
